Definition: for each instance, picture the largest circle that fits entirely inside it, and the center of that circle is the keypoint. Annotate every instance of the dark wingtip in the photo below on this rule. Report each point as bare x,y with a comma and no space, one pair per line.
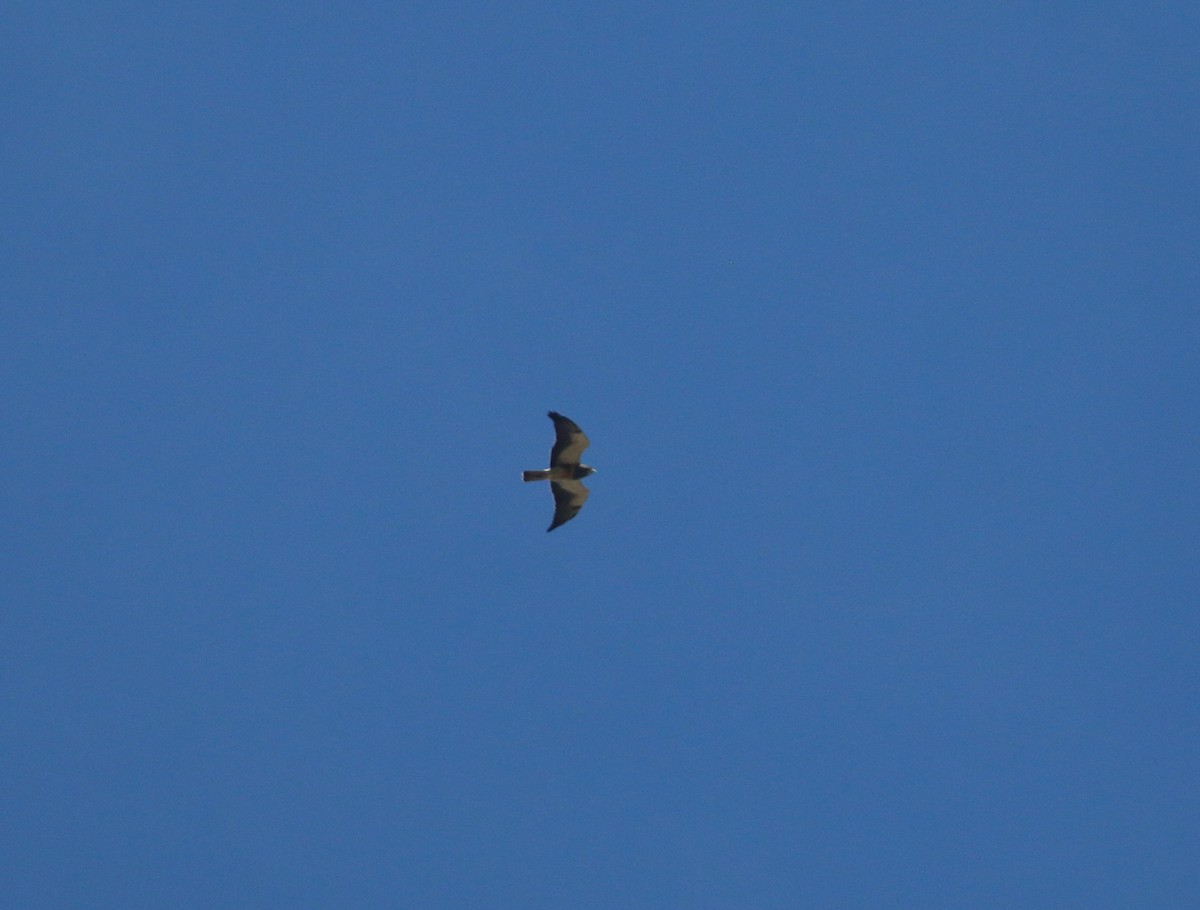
553,415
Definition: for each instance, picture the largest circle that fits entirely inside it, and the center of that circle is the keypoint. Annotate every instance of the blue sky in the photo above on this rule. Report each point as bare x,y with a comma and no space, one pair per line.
883,322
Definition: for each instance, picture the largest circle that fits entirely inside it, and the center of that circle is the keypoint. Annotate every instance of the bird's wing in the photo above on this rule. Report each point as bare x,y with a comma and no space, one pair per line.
569,442
569,497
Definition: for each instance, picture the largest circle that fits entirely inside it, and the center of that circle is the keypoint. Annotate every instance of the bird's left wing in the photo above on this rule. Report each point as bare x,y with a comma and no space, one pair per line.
569,497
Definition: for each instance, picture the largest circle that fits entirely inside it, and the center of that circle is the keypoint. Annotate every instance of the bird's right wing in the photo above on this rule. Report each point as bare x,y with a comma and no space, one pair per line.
569,443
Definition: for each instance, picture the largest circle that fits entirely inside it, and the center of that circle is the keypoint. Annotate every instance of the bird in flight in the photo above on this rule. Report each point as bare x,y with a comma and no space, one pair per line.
565,471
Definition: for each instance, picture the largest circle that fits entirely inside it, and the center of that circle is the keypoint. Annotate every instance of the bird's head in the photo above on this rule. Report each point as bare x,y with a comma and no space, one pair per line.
583,471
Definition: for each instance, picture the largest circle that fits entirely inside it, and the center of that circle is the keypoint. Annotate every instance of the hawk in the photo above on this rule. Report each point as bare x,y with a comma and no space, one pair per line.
565,471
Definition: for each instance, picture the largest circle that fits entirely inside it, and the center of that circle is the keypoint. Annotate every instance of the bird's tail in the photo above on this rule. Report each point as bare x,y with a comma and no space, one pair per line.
535,475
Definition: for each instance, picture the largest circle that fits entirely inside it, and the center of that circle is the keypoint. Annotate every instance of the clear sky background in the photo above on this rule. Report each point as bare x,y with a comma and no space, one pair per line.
883,320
